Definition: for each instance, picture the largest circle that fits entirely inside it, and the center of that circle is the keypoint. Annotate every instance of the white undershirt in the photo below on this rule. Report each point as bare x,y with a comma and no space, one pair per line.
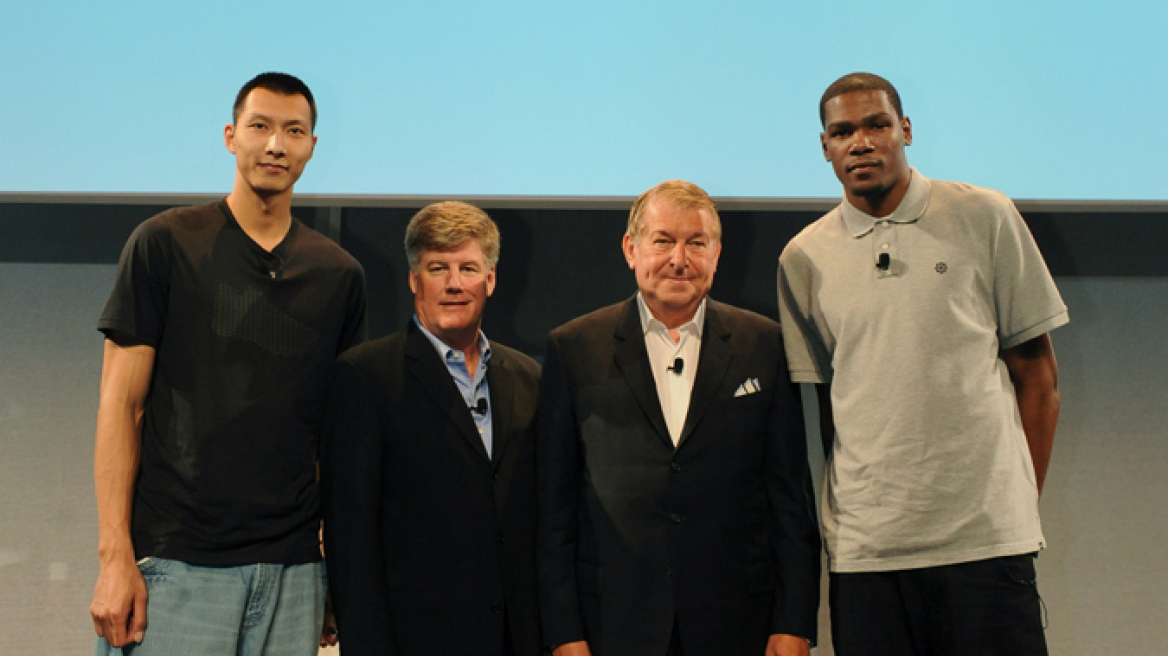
673,389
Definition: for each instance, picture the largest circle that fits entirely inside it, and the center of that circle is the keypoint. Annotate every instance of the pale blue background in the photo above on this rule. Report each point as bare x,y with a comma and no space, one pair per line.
1040,99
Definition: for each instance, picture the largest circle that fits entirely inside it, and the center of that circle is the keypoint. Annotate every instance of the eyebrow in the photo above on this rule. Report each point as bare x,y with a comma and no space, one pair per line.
864,119
264,117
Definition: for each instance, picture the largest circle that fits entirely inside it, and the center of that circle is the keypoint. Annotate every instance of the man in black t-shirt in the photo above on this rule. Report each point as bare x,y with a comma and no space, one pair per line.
221,324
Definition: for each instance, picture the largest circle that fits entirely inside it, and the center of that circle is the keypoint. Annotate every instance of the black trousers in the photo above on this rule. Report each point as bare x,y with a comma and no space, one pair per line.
968,609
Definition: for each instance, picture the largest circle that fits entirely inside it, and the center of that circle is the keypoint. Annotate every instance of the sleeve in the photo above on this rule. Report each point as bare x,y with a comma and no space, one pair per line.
351,470
137,305
795,542
1026,299
356,329
559,470
808,352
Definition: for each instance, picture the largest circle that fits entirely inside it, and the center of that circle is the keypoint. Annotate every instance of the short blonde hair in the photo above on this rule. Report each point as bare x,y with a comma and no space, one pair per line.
679,193
448,225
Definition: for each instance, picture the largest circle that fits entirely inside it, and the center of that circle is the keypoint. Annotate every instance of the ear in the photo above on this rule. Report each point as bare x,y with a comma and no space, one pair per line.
229,137
906,127
717,254
627,246
823,145
413,277
491,281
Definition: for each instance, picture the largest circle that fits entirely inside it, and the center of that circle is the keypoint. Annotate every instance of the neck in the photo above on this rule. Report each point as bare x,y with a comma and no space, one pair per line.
885,201
674,319
469,345
266,219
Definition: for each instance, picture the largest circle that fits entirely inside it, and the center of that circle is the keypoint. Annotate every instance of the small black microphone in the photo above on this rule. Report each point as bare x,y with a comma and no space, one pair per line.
480,407
883,261
274,269
678,365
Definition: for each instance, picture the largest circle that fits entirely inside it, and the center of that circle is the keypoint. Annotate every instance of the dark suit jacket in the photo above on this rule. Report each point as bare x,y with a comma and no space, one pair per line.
718,533
430,544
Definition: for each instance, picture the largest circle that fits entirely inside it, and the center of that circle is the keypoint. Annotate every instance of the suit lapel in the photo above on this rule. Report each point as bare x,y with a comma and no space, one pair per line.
428,369
633,362
713,363
502,403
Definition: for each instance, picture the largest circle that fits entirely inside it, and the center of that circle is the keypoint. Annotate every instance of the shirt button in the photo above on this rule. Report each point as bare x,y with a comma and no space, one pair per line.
676,518
500,538
496,608
675,467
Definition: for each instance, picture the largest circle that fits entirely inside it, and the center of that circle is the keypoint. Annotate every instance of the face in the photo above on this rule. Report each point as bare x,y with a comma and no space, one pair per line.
864,141
272,141
674,259
450,289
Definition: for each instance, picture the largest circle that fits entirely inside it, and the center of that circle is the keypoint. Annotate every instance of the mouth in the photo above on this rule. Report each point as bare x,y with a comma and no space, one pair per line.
862,166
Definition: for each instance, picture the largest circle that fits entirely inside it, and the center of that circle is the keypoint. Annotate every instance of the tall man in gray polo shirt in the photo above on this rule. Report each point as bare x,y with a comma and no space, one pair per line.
921,309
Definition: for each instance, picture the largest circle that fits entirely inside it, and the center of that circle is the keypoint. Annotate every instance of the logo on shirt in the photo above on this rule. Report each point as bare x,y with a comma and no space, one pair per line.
941,267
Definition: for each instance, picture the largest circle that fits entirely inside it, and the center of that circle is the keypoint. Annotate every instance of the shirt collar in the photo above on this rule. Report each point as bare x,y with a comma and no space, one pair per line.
910,210
650,323
447,353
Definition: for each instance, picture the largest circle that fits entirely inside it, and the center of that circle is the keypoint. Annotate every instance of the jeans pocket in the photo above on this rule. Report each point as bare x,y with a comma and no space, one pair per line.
154,569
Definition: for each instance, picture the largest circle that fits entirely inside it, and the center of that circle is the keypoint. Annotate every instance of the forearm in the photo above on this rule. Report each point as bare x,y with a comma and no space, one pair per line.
1034,372
117,444
116,459
1039,407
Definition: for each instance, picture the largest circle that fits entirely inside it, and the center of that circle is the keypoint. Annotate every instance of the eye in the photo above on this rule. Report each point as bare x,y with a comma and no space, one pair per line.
297,131
697,245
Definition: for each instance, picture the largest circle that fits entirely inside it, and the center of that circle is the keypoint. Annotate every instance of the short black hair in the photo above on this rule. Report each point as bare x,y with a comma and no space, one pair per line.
859,81
282,83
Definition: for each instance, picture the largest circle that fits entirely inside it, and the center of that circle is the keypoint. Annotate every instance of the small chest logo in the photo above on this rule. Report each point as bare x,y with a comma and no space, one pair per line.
941,267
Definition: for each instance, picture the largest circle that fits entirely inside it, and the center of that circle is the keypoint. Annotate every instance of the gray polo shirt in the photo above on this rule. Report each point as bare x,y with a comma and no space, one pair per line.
930,465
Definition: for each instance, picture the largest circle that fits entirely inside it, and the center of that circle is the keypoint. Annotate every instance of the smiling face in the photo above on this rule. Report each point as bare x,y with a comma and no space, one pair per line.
272,140
864,140
674,256
450,290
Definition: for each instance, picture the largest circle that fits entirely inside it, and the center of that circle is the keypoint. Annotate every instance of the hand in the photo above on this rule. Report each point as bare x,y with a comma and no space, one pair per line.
579,648
781,644
119,603
328,632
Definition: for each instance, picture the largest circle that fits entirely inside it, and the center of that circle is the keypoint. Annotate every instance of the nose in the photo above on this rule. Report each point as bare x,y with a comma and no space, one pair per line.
862,143
454,281
275,144
679,257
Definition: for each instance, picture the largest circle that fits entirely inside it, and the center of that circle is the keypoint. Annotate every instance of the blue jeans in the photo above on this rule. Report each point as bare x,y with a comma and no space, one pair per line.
252,610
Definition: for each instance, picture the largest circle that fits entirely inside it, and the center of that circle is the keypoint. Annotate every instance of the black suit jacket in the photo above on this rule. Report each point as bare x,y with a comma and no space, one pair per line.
430,544
718,534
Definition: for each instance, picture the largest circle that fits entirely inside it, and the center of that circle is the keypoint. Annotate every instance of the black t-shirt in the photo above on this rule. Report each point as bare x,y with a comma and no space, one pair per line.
242,338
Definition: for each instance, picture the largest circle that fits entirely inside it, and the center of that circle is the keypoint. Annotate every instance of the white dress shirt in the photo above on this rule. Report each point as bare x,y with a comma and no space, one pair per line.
673,387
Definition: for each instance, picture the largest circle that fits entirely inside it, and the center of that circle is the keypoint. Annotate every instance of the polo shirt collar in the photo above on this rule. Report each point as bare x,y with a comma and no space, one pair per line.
910,210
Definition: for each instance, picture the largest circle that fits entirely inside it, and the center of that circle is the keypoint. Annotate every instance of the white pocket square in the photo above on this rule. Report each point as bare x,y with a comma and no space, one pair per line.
748,386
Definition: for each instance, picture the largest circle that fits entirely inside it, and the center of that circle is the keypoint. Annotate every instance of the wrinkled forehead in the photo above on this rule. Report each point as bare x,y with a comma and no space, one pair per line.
680,220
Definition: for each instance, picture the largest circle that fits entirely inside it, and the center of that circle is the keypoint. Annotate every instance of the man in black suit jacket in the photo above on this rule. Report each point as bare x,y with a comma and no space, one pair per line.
429,466
675,502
